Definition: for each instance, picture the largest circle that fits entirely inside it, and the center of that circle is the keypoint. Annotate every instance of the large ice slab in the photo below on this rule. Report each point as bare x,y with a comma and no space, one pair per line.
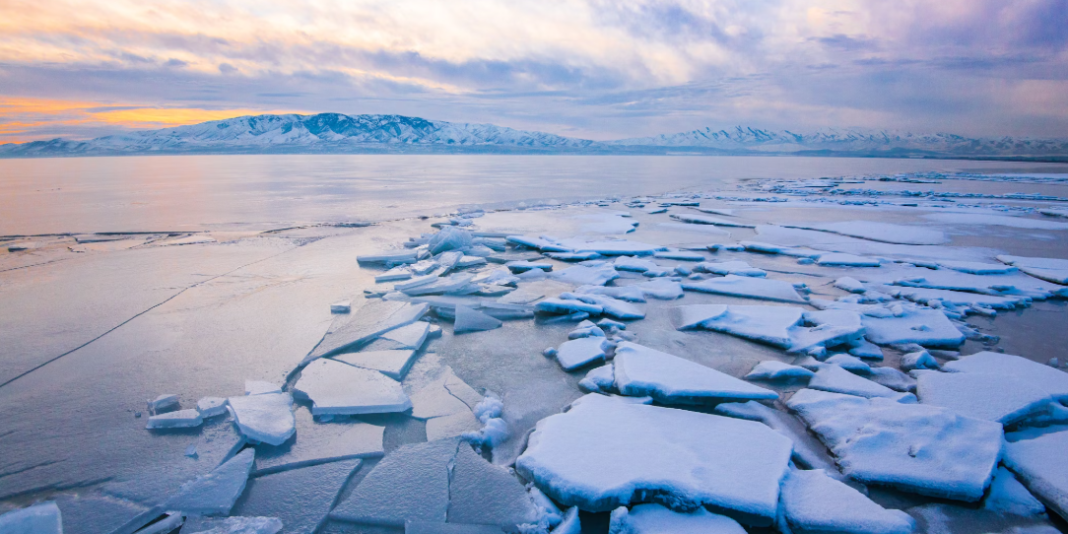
661,288
611,248
1048,269
408,337
445,395
90,513
644,372
830,377
604,453
815,502
766,324
267,418
807,451
216,492
392,363
409,484
300,498
373,318
705,219
43,518
487,494
233,525
179,419
317,442
776,370
914,447
927,327
657,519
633,264
338,388
1040,464
842,259
1002,398
1053,381
746,286
615,308
1007,495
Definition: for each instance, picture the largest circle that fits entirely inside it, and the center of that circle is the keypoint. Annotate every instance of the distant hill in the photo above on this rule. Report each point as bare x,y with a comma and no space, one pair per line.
338,133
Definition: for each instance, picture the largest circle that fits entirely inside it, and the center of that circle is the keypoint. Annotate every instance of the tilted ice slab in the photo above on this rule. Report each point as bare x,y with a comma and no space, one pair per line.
927,327
179,419
628,293
471,320
579,352
815,502
830,328
603,453
408,337
582,276
216,492
267,418
975,267
745,286
300,498
487,494
657,519
988,218
392,363
337,388
914,447
615,308
680,255
1011,284
766,324
641,371
233,525
1048,269
1001,397
957,298
833,378
878,231
705,219
776,370
807,451
43,518
1052,381
1040,464
735,267
320,442
1007,495
372,319
633,264
566,307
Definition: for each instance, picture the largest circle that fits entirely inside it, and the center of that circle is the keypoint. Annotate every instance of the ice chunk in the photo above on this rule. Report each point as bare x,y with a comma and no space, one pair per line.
660,289
892,378
405,256
494,428
914,447
920,359
775,370
411,336
178,419
586,329
483,493
926,327
739,268
433,527
396,274
337,388
470,261
344,306
560,306
841,259
267,418
814,502
449,284
628,293
633,264
540,243
833,378
960,298
162,403
167,525
211,406
1002,398
1053,381
318,443
90,513
571,523
573,256
372,319
766,324
976,267
680,255
233,525
392,363
216,492
656,519
641,371
581,275
469,320
300,498
1012,284
850,363
604,453
705,219
43,518
695,315
849,284
449,238
611,248
1048,269
1008,496
832,328
524,266
410,483
617,309
599,379
745,286
1040,464
578,352
862,348
883,232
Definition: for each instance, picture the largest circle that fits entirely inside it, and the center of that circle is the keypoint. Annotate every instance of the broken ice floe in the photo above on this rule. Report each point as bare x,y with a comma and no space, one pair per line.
43,518
657,519
320,442
815,502
830,377
582,276
1054,382
739,268
775,370
470,320
337,388
372,319
216,492
1040,464
841,259
1048,269
884,232
766,324
745,286
177,419
579,352
1008,496
162,403
849,284
914,447
705,219
299,498
807,451
211,406
392,363
604,453
267,417
641,371
259,387
233,525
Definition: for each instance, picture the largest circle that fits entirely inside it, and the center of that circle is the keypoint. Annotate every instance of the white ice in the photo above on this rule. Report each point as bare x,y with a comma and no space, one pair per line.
680,255
486,494
641,371
633,264
396,274
632,293
815,502
216,492
657,519
1052,381
1001,398
580,275
611,248
470,320
841,259
523,266
579,352
850,363
927,327
745,286
660,288
892,378
766,324
614,308
167,401
1039,464
920,359
234,525
807,451
408,337
259,387
776,370
705,219
850,284
976,267
566,307
267,418
337,388
599,379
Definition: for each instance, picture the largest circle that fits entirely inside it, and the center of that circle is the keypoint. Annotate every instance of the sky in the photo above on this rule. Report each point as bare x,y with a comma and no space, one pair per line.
592,69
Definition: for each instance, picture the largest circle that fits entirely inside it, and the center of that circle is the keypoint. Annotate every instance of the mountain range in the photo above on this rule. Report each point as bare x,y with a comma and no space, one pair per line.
338,133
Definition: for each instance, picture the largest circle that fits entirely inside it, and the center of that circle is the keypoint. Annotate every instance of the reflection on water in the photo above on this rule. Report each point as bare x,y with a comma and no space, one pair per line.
174,193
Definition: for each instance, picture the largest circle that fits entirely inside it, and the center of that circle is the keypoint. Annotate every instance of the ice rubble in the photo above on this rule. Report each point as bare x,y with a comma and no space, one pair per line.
745,286
267,418
775,370
641,371
300,498
1008,496
392,363
1048,269
337,388
604,453
579,352
830,377
216,492
892,378
1040,464
656,519
815,502
319,442
43,518
914,447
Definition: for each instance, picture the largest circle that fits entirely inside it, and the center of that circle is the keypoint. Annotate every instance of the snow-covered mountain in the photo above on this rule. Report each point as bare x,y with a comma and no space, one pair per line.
337,133
853,141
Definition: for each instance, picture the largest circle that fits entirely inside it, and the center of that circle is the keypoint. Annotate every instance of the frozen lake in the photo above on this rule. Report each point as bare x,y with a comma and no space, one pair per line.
767,300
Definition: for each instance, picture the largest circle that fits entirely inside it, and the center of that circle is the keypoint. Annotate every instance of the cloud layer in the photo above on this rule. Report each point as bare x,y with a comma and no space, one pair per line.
594,69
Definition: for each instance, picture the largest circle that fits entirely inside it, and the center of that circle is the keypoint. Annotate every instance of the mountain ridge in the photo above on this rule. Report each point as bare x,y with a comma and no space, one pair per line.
340,133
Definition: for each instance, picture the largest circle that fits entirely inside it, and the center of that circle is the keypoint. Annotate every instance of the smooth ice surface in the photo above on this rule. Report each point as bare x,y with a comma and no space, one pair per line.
1048,269
392,363
914,447
259,387
373,318
90,513
566,307
409,484
267,418
656,519
470,320
1053,381
581,275
830,377
604,453
884,232
409,337
338,388
44,518
446,394
1040,464
487,494
776,370
178,419
746,286
610,248
850,363
600,378
641,371
892,378
631,293
841,259
930,328
694,315
216,492
660,288
1008,496
815,502
211,406
633,264
578,352
319,442
452,425
766,324
850,284
1002,398
166,401
300,498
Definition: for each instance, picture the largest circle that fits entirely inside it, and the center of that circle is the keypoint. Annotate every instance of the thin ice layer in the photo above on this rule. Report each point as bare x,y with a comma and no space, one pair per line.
604,453
338,388
641,371
43,518
392,363
300,498
372,319
914,447
815,502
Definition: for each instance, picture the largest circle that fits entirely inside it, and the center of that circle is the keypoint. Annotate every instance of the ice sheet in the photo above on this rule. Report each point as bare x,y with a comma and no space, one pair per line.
267,418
